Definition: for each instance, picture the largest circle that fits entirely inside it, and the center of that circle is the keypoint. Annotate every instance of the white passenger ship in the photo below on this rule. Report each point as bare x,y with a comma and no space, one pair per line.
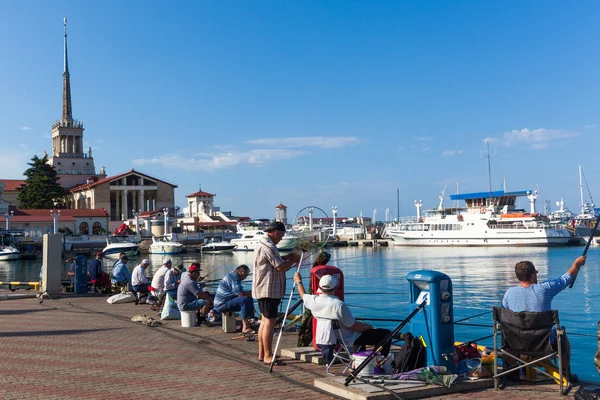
489,219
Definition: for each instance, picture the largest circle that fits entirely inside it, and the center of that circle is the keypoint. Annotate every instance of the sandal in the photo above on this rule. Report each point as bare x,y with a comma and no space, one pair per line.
277,362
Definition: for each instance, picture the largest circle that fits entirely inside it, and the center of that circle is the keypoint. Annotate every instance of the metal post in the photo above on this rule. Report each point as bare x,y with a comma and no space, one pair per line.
334,212
166,214
138,235
55,215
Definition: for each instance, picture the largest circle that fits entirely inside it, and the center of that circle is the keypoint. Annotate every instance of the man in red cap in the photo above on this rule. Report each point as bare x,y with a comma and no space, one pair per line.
95,270
190,295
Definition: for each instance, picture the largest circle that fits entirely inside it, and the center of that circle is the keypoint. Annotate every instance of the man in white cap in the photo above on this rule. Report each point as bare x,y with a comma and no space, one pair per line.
139,281
158,280
326,307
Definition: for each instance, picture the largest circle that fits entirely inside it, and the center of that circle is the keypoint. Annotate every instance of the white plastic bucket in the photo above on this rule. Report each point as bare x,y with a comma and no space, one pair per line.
188,319
369,369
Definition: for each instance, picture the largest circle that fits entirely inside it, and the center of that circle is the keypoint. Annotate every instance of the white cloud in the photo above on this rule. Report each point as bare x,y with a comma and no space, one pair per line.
25,128
590,126
308,141
538,138
208,162
423,138
451,152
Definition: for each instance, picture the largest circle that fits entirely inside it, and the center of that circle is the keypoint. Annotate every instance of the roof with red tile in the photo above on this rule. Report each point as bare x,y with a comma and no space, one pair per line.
97,212
112,178
12,184
200,193
281,206
38,218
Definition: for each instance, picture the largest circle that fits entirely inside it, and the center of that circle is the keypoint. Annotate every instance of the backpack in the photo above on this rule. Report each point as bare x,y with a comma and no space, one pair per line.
411,355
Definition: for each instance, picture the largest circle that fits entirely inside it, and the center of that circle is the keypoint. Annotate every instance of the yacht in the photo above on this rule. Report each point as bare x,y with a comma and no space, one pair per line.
249,241
8,249
164,245
216,245
120,244
488,219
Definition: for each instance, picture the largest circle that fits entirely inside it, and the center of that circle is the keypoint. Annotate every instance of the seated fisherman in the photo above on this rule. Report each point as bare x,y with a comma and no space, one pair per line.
139,281
231,296
172,280
532,296
120,273
190,295
158,280
326,307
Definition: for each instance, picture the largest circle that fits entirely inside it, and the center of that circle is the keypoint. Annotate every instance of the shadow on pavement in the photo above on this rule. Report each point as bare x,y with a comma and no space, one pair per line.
55,333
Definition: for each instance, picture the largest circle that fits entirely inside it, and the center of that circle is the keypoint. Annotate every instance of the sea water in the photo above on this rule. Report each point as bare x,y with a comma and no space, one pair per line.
375,280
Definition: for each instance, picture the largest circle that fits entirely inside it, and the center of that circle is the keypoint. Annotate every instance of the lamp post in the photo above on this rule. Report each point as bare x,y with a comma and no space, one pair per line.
8,216
138,235
334,212
310,219
166,213
55,215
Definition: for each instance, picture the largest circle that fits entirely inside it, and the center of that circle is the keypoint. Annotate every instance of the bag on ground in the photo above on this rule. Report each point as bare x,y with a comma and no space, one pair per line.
411,355
170,309
121,298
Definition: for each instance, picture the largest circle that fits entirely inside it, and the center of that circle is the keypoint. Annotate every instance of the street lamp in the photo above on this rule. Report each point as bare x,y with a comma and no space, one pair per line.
166,212
137,224
310,219
334,212
55,215
8,216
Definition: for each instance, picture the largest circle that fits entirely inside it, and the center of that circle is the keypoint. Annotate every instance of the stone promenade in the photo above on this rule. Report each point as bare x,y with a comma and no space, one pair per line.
85,348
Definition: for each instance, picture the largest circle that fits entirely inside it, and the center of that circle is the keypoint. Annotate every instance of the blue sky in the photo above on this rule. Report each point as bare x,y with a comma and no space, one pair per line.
326,103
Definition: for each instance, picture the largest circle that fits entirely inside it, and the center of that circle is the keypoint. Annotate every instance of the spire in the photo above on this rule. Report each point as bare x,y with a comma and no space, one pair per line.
67,113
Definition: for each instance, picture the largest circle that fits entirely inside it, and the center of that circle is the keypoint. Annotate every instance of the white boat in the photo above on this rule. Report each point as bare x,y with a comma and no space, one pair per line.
9,253
164,245
216,245
120,244
489,219
249,241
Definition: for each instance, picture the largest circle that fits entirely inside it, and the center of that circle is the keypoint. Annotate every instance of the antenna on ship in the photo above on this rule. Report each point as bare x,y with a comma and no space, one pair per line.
489,157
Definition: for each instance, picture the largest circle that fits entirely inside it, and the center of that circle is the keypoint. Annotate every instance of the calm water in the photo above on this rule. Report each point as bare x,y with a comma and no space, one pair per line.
480,276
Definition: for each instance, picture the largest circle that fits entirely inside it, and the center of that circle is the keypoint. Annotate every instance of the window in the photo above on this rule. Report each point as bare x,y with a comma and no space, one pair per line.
97,229
84,228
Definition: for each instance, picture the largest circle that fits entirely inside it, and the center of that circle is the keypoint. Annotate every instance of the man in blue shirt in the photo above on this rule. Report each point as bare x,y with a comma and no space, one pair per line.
532,296
120,273
231,296
190,295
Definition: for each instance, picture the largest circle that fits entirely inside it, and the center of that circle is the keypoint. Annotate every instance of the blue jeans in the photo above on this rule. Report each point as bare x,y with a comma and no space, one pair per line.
141,288
244,304
193,305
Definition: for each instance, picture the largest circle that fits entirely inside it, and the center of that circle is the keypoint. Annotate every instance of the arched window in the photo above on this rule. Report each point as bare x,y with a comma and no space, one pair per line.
97,229
84,228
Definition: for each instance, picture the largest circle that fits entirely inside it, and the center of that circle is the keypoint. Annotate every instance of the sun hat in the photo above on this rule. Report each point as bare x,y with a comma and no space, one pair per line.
167,260
275,226
145,261
178,268
328,282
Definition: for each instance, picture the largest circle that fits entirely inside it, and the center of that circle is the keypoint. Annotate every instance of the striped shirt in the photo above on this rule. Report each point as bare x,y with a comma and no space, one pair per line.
229,288
268,282
535,298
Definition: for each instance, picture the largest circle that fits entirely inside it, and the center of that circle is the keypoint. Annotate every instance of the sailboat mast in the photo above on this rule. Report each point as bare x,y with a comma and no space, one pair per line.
489,157
581,190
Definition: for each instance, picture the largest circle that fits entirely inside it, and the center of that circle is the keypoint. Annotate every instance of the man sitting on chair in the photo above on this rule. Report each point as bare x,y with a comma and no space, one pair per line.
532,296
327,307
231,296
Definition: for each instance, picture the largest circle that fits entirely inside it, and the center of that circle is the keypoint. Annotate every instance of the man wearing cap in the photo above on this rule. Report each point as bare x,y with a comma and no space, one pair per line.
268,285
172,280
231,296
139,281
190,295
158,280
120,273
95,270
327,307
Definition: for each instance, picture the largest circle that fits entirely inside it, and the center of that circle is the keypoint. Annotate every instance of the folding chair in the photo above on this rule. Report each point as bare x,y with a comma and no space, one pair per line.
528,334
342,353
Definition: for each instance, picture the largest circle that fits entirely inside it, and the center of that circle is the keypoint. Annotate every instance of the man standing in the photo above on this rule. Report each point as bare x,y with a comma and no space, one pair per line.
95,270
231,296
190,295
327,307
139,281
268,286
158,280
532,296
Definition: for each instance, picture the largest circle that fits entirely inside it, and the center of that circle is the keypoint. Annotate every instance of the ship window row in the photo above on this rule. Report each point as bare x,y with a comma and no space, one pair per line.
431,227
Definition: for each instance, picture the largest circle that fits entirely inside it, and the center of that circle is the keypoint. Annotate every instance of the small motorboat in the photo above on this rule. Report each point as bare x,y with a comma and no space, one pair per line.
216,245
120,244
165,245
9,253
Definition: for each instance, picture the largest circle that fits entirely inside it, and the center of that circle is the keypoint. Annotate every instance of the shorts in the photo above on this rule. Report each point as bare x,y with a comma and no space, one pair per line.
268,307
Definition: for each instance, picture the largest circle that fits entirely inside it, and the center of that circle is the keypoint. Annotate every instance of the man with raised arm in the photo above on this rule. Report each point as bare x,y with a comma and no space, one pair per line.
268,286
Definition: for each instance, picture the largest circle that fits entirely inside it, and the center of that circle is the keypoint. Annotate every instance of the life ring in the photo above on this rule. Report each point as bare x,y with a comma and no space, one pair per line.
459,217
483,210
572,223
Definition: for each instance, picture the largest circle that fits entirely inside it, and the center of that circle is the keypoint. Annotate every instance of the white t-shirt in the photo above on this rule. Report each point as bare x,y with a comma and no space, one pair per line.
325,308
158,280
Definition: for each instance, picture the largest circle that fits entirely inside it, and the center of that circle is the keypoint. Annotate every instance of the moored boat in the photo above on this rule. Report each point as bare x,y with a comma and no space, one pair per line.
249,241
489,219
120,244
216,245
9,253
164,244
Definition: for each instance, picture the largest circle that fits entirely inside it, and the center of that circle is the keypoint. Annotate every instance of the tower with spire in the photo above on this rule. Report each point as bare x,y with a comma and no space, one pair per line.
74,166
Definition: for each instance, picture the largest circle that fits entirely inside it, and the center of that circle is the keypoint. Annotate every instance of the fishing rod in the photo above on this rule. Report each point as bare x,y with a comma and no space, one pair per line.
287,310
380,345
587,246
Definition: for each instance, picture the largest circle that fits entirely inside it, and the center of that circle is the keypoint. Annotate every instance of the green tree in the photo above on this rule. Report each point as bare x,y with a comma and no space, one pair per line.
41,188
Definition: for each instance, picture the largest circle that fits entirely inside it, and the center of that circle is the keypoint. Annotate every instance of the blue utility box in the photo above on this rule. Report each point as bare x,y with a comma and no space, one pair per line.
80,283
434,324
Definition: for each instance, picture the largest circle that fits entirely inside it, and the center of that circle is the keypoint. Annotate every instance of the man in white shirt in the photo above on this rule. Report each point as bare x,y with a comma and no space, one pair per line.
139,282
158,280
326,307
